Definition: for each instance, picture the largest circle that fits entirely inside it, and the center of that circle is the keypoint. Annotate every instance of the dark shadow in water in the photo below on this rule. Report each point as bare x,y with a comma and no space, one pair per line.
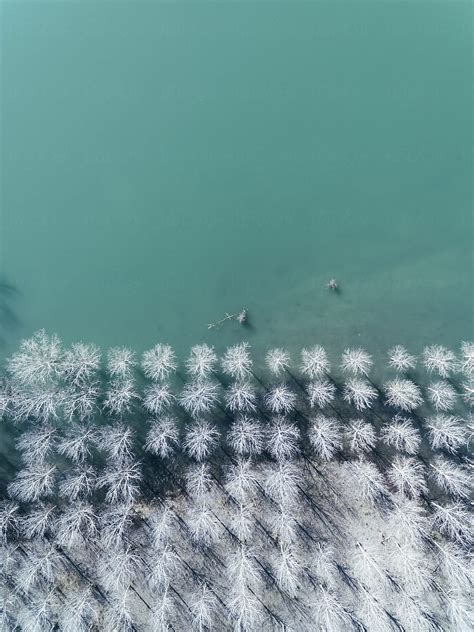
8,318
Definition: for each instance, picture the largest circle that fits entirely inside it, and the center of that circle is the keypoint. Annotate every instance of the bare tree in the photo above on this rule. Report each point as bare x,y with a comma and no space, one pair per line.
280,399
246,436
277,360
157,396
446,432
438,359
241,397
325,436
282,439
200,440
237,361
320,393
356,362
403,394
400,359
199,397
163,437
314,362
401,434
159,362
359,393
201,361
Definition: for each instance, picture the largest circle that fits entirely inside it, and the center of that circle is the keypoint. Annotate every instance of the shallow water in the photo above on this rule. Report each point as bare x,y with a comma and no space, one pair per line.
163,163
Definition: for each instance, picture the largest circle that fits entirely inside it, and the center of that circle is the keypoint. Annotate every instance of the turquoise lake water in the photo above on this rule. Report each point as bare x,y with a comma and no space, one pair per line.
165,162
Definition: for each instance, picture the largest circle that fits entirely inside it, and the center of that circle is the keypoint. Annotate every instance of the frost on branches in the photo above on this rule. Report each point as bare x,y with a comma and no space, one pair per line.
235,493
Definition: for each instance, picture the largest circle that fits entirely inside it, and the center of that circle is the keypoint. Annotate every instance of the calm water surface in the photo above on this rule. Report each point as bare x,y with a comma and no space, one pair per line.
163,163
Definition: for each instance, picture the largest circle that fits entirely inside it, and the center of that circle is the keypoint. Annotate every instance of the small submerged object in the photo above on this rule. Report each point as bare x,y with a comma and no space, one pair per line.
332,284
242,317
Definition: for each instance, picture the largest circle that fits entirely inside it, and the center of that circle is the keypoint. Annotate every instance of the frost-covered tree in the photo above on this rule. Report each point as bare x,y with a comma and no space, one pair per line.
121,362
76,442
79,482
204,526
456,564
277,360
80,611
282,439
372,484
38,445
360,436
438,359
163,437
199,480
325,436
280,399
38,361
115,523
328,612
442,395
402,435
157,397
38,615
451,478
116,441
201,361
165,611
9,520
81,403
77,525
359,393
80,363
245,608
468,392
407,476
243,523
165,564
118,568
288,570
121,479
241,397
356,362
320,393
41,567
245,436
159,362
459,610
455,521
282,481
467,358
38,403
204,608
403,394
33,482
243,569
400,359
284,525
241,480
119,611
120,397
446,432
39,519
237,361
200,439
199,397
314,362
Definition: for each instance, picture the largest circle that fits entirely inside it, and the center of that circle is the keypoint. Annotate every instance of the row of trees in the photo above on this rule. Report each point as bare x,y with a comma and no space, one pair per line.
144,497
